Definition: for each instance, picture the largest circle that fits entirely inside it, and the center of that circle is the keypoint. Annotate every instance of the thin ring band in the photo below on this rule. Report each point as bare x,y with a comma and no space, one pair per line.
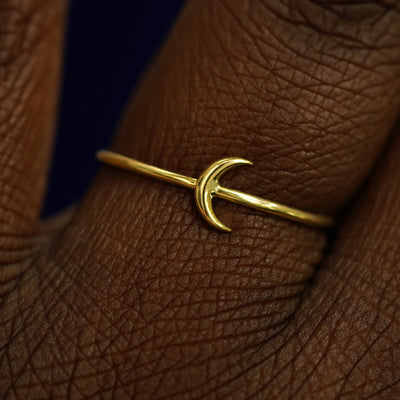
207,186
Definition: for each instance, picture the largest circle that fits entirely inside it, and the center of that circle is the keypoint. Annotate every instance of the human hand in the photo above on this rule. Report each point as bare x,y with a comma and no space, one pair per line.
135,296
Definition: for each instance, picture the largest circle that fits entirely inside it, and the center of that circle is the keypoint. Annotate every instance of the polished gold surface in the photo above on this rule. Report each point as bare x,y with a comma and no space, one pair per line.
207,186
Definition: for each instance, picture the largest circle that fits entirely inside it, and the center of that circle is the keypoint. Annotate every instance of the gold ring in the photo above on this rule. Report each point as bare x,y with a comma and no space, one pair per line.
207,186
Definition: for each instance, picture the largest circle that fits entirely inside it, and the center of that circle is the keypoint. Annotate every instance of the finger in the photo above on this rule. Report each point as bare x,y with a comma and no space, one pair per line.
308,92
30,50
311,136
357,294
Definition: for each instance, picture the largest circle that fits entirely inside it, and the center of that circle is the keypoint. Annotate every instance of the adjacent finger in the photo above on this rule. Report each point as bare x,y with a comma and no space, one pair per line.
30,52
353,312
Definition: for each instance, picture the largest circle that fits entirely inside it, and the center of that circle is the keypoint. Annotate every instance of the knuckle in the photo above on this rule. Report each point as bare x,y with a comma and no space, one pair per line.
350,24
24,25
20,23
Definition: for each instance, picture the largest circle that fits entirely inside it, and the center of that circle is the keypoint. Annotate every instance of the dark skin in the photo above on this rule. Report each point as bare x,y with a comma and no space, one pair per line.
134,295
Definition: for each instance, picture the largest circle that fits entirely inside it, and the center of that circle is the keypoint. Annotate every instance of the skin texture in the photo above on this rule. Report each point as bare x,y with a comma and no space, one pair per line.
134,296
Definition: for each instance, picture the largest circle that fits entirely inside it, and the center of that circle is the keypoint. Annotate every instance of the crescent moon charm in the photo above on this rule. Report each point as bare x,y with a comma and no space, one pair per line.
207,187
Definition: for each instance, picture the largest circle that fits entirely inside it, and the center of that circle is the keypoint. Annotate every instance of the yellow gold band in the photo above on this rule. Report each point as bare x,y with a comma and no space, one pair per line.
207,186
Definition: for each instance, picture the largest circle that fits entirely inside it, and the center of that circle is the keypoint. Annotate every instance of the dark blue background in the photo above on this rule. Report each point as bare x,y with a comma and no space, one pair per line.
108,47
